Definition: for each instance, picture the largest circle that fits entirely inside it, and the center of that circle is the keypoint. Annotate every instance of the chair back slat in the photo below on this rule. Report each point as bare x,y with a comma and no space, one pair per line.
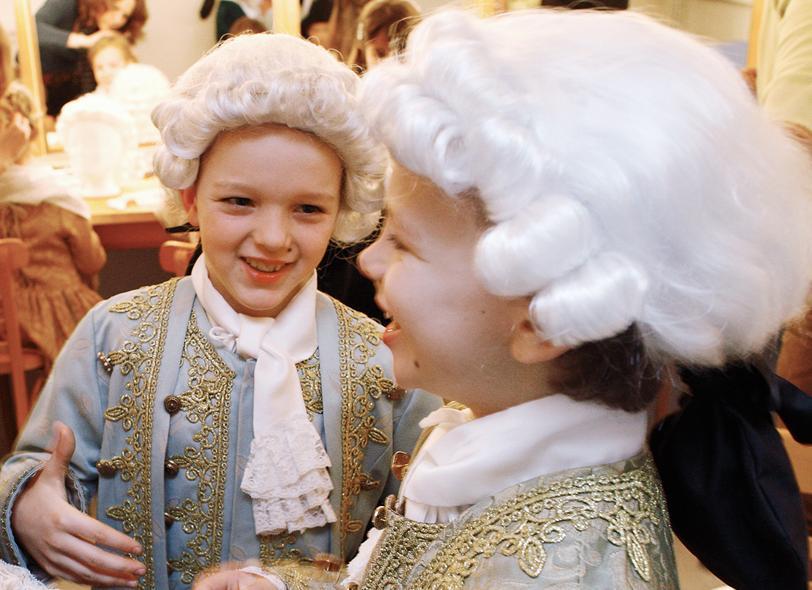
13,256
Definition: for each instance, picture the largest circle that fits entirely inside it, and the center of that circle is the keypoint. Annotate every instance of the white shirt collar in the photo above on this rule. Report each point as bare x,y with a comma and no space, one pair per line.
471,459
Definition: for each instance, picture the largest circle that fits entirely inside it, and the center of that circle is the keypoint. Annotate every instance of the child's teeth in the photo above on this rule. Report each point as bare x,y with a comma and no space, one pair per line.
262,267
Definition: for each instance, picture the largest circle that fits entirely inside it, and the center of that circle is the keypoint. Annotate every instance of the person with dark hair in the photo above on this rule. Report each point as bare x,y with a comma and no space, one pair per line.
383,27
67,29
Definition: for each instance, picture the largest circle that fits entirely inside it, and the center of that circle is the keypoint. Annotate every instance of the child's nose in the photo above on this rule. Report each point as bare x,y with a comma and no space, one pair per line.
370,261
272,232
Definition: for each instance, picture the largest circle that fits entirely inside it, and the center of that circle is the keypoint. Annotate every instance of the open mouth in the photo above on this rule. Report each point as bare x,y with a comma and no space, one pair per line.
265,267
390,332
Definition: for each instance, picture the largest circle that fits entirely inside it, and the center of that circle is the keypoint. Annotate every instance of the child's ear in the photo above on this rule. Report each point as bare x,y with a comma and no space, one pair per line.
189,198
527,347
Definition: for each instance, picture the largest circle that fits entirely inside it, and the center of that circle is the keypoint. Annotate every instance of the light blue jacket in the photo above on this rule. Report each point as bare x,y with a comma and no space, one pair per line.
163,424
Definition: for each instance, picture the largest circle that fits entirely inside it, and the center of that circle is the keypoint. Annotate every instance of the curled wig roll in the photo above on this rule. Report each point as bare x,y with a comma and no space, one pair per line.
272,79
628,176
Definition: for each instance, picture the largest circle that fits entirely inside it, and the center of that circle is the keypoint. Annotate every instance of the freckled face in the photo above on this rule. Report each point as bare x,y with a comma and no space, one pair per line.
266,202
447,333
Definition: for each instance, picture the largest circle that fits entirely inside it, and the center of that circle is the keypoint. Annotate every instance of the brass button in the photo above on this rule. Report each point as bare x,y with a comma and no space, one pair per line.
367,483
172,404
396,394
106,363
400,463
171,468
106,468
379,518
168,519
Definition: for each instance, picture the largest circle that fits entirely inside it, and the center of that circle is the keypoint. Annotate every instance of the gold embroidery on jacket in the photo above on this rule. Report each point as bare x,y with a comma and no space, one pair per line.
276,548
207,402
630,504
310,377
140,357
393,559
361,385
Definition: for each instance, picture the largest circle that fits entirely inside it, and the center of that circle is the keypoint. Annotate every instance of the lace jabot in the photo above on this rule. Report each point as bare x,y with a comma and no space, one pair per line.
286,474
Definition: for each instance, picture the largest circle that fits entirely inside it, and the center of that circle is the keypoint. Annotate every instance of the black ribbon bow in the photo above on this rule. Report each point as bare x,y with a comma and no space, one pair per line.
732,495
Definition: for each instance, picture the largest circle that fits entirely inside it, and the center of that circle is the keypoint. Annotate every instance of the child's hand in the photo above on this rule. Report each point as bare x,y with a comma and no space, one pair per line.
234,580
63,540
13,140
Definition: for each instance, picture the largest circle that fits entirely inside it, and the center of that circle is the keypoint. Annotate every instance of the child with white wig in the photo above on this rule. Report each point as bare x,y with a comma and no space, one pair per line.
237,412
576,201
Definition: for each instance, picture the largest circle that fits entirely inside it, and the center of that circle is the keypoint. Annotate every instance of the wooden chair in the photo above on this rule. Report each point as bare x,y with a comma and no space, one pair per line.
15,360
174,256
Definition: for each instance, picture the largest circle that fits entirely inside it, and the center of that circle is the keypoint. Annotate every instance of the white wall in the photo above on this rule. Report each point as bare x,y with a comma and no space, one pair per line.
174,36
719,20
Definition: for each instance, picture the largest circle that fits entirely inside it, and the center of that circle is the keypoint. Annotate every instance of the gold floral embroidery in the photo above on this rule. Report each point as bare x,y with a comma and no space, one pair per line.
276,548
630,504
207,402
141,358
403,543
310,378
362,385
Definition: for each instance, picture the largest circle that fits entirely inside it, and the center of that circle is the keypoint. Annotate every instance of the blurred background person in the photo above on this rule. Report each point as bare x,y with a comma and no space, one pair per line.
108,56
67,29
383,27
245,24
783,84
39,206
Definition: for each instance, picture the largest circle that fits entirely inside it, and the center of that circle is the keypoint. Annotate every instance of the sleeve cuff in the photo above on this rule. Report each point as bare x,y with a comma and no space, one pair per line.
272,578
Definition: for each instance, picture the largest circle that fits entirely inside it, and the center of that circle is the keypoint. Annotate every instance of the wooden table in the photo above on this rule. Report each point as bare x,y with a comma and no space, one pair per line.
133,227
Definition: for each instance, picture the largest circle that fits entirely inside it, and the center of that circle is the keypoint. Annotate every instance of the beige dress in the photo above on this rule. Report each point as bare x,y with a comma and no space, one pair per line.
55,289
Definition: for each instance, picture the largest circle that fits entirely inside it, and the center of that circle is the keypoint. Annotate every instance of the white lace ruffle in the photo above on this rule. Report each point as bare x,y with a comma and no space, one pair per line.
288,481
17,578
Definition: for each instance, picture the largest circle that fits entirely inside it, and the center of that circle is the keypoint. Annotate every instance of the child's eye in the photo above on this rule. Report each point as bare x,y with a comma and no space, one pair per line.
310,209
395,241
238,201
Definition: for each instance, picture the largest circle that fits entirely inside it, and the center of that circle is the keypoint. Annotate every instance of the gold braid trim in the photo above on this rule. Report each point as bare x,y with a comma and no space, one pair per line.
361,386
207,403
631,504
140,358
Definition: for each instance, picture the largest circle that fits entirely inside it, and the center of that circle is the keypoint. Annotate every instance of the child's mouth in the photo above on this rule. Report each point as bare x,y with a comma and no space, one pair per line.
390,332
264,266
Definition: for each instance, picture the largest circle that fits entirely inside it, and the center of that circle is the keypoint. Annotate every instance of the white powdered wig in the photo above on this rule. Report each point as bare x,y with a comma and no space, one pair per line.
628,175
262,79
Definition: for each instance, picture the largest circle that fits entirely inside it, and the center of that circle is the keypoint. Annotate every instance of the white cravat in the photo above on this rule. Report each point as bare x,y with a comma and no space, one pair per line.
478,458
286,475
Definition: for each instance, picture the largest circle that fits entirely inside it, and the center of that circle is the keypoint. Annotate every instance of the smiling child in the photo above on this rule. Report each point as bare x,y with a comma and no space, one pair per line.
238,412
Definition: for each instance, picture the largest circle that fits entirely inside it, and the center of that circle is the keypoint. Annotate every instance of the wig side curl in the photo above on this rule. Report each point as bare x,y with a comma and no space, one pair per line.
629,177
261,79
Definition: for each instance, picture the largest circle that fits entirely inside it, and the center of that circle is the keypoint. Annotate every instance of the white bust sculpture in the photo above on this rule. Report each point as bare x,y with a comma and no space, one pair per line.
100,138
140,87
